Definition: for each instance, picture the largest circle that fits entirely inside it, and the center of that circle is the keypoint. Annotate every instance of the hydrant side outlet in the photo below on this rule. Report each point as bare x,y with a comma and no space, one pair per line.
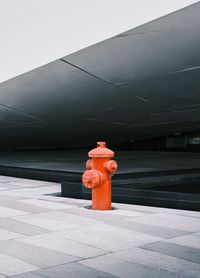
98,176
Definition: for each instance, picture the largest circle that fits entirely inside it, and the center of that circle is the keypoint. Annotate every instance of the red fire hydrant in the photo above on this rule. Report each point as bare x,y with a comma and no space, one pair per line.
98,176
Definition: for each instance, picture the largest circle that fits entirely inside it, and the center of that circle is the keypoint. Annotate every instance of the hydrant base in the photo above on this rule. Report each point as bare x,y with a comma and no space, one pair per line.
100,208
90,207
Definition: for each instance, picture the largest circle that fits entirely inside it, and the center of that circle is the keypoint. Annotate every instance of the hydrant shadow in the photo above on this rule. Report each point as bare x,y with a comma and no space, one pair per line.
90,207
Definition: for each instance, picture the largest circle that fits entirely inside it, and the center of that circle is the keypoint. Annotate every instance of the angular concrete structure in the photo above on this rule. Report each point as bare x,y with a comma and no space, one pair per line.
142,83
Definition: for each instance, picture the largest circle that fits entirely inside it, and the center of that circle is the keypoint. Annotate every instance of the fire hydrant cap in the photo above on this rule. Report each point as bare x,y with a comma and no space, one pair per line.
92,178
101,151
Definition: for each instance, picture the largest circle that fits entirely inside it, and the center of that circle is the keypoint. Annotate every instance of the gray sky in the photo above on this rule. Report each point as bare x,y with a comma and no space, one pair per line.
35,32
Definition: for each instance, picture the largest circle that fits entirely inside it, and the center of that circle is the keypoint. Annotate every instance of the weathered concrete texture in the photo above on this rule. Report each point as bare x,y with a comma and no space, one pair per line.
46,236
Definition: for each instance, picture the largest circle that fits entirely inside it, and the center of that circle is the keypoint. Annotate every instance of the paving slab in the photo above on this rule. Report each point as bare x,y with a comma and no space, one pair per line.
175,250
93,239
5,235
196,234
180,222
51,225
47,204
159,260
31,192
69,219
3,188
42,235
187,240
8,197
30,183
96,215
15,226
59,244
73,270
155,230
11,266
8,212
19,205
38,256
124,269
103,236
27,275
125,213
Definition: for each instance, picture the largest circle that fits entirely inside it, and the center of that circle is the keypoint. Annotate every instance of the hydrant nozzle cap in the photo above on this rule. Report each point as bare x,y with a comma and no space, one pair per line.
101,151
101,144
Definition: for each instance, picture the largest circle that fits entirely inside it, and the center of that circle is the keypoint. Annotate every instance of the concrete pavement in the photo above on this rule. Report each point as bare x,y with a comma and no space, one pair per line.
42,235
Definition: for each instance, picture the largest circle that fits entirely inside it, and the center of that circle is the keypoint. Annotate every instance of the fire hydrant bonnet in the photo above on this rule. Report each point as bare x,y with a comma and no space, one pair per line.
101,151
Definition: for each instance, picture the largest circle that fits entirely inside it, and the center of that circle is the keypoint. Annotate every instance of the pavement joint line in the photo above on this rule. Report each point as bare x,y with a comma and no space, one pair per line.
190,216
81,242
143,264
169,255
32,272
80,204
75,261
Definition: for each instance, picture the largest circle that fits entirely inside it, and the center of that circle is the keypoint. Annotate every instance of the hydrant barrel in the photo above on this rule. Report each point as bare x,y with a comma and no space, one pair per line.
97,176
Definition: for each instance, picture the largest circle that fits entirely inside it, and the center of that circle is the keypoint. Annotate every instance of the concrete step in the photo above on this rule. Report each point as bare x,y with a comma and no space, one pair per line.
160,198
178,188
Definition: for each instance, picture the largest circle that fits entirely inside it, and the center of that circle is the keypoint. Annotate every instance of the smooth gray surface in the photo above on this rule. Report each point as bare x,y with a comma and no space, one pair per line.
73,270
21,206
175,250
9,265
158,260
29,254
27,275
74,161
48,236
120,268
21,227
162,232
142,83
163,219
